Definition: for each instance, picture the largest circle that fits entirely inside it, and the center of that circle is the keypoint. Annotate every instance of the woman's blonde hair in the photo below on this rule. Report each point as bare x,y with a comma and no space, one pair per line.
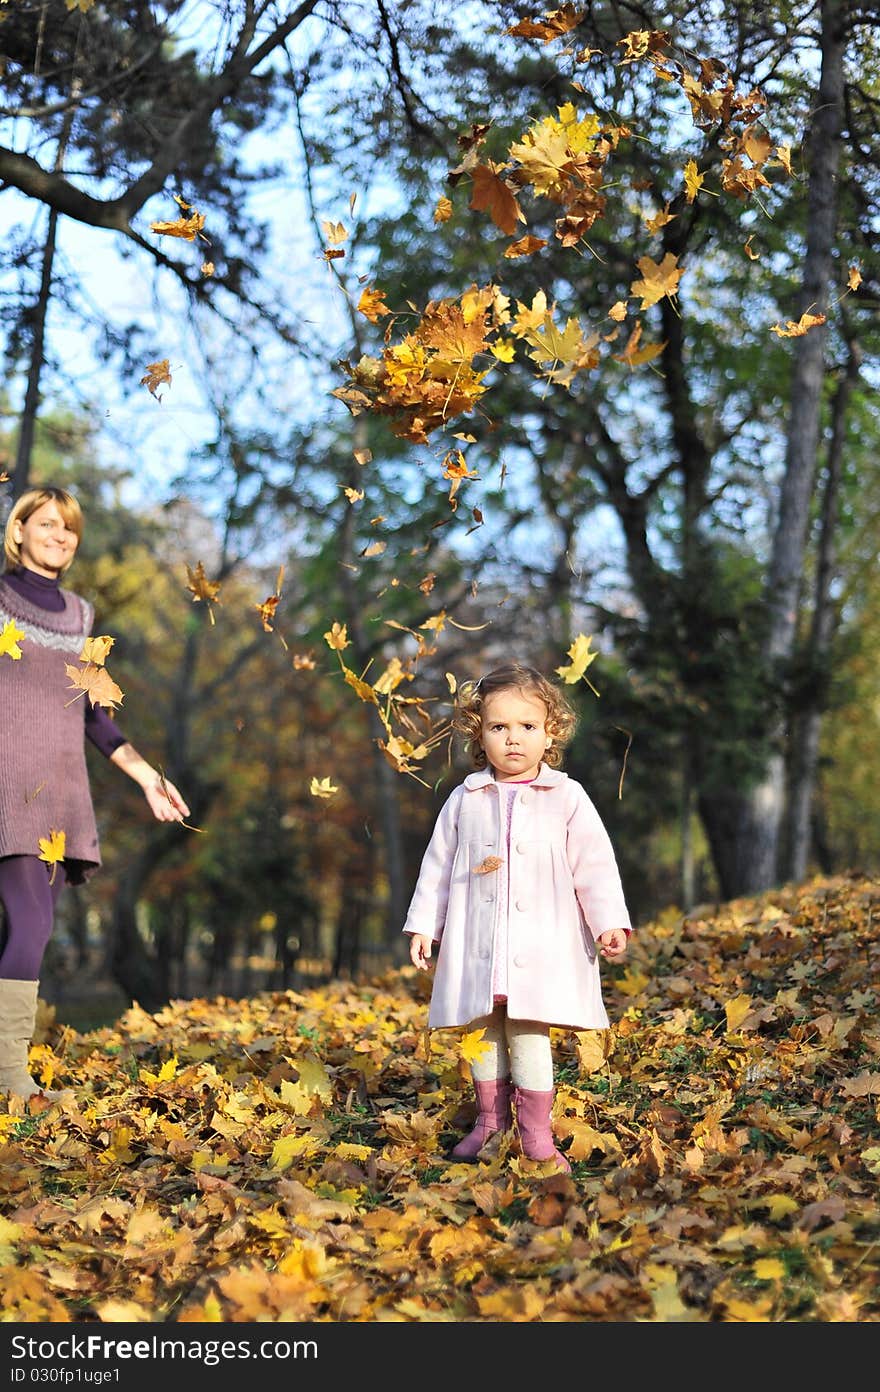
468,718
27,505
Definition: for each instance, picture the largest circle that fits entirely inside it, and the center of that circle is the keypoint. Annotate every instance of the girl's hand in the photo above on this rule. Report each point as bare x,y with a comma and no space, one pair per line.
165,801
420,950
612,943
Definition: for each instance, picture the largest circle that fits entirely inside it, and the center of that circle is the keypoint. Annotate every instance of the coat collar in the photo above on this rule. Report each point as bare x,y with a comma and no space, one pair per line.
547,777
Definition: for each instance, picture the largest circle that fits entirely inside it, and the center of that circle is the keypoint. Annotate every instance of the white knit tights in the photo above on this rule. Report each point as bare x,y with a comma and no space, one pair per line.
518,1049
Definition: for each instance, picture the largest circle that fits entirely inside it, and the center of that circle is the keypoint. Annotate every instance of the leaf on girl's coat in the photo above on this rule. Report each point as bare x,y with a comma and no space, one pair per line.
487,866
9,639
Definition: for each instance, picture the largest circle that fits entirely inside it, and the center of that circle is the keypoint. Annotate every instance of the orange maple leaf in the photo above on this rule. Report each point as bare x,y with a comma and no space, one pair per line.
156,375
797,330
186,227
493,195
372,305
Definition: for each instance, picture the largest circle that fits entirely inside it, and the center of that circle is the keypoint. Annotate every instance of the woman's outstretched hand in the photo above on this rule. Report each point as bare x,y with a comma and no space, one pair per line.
166,803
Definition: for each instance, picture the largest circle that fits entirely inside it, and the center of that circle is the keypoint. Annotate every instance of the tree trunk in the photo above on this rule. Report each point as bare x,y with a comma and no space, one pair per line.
807,727
757,842
22,471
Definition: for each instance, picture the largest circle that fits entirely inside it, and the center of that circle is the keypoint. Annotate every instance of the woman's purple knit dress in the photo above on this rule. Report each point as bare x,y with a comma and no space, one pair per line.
44,783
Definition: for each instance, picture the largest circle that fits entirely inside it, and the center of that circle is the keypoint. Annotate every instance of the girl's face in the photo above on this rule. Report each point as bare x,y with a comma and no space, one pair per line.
46,543
514,734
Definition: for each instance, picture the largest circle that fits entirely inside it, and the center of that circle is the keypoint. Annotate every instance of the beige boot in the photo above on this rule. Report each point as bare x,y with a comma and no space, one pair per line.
18,1009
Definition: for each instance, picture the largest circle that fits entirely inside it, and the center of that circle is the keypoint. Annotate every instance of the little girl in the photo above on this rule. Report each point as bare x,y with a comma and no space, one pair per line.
518,885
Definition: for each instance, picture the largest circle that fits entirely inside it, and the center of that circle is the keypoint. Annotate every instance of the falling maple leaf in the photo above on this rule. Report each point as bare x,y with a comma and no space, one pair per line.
442,210
266,610
797,330
659,279
524,246
552,24
337,637
303,662
186,227
96,649
52,850
156,375
322,788
203,588
372,305
473,1045
94,681
493,195
693,180
854,278
581,659
9,640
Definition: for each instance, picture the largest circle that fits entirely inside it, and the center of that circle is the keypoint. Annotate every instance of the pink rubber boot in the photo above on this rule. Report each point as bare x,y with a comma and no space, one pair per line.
533,1124
493,1100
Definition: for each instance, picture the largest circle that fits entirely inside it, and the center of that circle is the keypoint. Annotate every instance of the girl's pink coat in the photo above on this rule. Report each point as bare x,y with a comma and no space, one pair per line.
565,891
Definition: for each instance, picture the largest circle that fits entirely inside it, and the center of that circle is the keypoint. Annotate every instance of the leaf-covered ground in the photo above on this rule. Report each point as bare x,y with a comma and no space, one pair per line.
284,1158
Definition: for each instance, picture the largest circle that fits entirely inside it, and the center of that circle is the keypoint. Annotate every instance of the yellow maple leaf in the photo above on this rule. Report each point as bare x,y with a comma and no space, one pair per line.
442,210
551,26
203,588
96,649
659,279
581,659
736,1011
693,180
337,637
473,1046
322,787
9,641
487,866
854,279
52,849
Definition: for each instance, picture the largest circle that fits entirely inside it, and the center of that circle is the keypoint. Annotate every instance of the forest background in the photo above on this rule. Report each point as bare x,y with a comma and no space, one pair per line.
294,588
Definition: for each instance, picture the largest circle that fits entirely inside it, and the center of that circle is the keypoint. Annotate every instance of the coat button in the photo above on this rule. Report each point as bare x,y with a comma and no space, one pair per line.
484,952
520,850
519,961
520,906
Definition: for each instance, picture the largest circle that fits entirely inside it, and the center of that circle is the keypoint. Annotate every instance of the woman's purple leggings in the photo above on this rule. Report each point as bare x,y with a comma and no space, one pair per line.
29,900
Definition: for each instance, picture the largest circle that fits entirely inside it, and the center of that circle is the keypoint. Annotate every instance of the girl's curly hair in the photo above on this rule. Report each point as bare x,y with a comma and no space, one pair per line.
468,722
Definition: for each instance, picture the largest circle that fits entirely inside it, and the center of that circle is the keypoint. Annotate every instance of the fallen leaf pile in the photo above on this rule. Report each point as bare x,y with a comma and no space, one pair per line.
286,1158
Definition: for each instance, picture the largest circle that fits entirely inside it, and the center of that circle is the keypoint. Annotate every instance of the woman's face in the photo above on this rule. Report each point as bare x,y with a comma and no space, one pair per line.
46,543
